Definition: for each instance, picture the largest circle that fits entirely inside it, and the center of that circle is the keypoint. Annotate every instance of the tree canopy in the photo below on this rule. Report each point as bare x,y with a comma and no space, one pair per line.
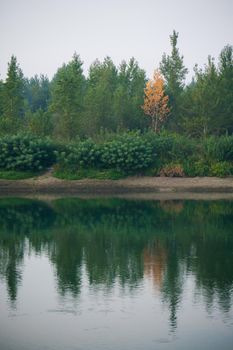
110,97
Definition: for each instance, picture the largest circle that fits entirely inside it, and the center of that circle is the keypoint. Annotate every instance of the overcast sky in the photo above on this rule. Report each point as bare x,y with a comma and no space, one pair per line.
43,34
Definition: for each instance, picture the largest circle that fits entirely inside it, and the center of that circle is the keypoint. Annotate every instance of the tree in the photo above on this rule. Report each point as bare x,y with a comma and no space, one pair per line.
174,72
155,101
226,88
128,96
13,98
101,85
67,94
38,93
39,123
201,102
1,97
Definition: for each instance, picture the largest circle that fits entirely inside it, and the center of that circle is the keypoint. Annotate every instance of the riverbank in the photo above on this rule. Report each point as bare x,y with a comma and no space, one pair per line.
47,184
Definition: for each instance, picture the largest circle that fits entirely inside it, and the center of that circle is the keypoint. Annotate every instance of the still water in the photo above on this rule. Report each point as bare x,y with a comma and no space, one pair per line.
116,274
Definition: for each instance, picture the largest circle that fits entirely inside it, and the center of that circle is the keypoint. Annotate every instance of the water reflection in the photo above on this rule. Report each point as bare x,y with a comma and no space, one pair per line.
125,242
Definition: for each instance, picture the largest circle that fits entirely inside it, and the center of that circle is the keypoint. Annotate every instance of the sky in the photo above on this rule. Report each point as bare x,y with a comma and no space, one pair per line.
44,34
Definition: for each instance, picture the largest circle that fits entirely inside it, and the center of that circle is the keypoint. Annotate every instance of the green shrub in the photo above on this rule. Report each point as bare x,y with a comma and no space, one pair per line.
16,174
194,167
26,153
219,148
161,146
184,148
170,148
221,169
129,152
85,154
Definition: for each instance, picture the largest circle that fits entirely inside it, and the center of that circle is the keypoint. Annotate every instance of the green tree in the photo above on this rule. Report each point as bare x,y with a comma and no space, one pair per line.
226,89
67,94
201,102
1,97
39,122
128,96
101,85
13,98
174,72
38,92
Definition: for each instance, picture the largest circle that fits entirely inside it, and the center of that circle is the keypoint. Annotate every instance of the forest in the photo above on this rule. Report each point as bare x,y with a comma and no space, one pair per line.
117,118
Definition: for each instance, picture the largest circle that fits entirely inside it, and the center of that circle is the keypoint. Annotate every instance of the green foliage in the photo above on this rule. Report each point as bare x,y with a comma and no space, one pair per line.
83,154
149,154
71,108
171,147
100,174
23,152
221,169
12,94
128,152
67,94
38,94
226,88
219,148
208,101
98,103
193,167
202,102
16,175
174,72
128,96
39,123
110,98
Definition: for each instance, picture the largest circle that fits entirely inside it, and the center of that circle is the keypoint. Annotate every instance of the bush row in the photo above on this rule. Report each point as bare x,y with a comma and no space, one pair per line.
164,154
128,152
23,152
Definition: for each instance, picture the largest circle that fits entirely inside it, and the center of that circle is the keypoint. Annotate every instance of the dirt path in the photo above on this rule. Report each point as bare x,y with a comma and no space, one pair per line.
46,184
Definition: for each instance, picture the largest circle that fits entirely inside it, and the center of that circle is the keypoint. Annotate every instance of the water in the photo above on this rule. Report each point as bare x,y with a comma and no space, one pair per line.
116,274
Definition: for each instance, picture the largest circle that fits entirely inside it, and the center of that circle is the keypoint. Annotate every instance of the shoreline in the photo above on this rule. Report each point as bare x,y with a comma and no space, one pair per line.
154,187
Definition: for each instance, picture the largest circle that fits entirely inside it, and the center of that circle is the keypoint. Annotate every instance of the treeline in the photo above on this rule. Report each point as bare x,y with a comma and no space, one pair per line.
72,106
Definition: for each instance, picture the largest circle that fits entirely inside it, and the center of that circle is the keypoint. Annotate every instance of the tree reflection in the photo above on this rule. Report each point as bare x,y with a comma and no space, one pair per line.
124,241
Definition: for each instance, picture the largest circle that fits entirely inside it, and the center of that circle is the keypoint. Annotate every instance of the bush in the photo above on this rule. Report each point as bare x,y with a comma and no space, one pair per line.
25,152
184,148
194,167
84,154
219,149
161,146
221,169
128,152
171,147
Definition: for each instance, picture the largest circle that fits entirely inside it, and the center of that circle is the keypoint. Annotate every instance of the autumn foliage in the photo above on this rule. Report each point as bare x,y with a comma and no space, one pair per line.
155,101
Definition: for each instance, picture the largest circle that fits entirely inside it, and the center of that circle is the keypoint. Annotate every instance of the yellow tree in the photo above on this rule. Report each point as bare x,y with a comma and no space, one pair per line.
155,101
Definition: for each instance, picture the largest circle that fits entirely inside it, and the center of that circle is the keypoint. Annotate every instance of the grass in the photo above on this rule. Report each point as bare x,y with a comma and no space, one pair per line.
17,175
107,174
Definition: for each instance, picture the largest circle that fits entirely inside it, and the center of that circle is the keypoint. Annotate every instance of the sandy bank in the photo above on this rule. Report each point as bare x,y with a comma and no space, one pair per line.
47,184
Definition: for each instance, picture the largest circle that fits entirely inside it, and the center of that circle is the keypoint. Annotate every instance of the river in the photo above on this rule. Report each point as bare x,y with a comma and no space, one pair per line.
116,274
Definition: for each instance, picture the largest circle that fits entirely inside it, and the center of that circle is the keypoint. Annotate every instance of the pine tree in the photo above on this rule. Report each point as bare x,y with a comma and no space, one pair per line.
38,93
13,98
67,90
225,88
128,96
101,86
174,72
